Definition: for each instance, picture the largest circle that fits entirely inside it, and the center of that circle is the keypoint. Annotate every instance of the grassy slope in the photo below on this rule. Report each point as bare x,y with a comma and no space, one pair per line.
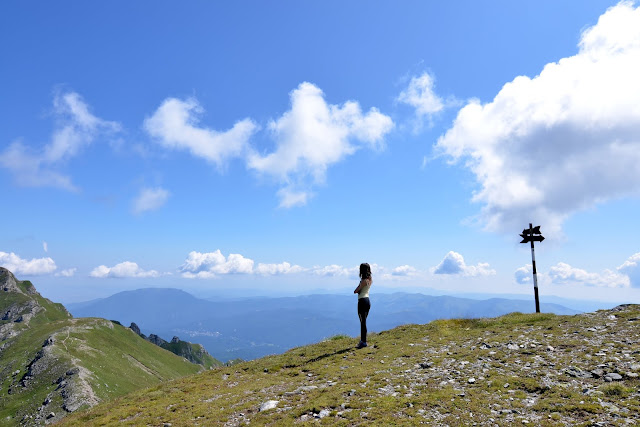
118,359
416,373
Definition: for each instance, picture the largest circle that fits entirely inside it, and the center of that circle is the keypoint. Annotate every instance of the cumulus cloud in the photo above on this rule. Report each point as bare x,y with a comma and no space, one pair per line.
210,264
150,199
336,270
175,125
32,267
564,274
420,95
69,272
277,269
122,270
564,140
404,270
523,275
454,264
312,136
631,268
75,128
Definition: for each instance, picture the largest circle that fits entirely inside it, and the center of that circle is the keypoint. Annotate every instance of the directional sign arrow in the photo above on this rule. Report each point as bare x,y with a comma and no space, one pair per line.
526,238
534,230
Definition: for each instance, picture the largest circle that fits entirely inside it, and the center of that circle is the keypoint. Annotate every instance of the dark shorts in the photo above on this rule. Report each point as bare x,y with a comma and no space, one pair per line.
364,305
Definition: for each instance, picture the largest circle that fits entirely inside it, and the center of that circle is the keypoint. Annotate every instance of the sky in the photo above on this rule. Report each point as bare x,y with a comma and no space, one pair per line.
274,146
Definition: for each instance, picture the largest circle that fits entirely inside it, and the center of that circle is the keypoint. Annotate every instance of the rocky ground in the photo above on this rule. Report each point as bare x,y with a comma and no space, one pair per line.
537,369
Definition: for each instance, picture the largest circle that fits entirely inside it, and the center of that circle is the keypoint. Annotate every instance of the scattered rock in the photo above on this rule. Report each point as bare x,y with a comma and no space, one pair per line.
72,371
578,373
612,376
269,404
323,413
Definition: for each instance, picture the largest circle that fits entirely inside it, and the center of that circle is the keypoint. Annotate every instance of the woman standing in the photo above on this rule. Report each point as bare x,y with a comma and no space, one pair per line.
363,301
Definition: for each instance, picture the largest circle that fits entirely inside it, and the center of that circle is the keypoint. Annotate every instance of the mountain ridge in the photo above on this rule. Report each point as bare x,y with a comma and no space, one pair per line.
52,364
539,369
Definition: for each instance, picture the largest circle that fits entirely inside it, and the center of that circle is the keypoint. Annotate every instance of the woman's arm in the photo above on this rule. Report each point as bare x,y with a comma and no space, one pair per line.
360,286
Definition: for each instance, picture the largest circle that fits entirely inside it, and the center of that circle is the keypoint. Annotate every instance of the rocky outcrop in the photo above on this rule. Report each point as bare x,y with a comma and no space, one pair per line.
153,338
194,353
135,328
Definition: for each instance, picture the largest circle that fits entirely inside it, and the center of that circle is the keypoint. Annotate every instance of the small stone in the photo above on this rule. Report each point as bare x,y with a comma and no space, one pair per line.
471,380
597,372
578,373
166,425
425,365
513,346
550,348
614,376
324,413
506,385
632,374
269,404
51,415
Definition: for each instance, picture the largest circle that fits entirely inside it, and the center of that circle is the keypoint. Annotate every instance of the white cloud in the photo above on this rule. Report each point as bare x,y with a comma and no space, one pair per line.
404,270
564,274
32,267
69,272
277,269
210,264
75,128
420,95
562,141
524,275
150,199
336,270
631,268
312,136
121,270
175,125
454,264
45,246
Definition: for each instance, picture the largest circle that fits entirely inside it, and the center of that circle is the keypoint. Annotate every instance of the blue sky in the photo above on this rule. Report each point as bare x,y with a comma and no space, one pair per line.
275,146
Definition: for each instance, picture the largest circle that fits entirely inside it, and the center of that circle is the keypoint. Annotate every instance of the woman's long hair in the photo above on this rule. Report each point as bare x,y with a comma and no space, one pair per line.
365,271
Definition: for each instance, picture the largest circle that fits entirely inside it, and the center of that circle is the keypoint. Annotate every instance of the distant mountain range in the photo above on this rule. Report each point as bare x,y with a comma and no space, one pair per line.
253,327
